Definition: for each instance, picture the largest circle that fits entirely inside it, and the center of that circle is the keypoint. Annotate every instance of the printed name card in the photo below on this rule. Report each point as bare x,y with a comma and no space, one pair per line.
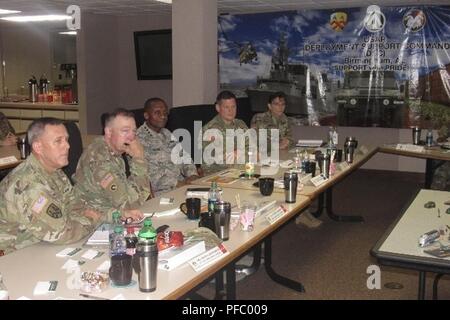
8,160
363,149
276,214
318,180
409,147
206,258
343,165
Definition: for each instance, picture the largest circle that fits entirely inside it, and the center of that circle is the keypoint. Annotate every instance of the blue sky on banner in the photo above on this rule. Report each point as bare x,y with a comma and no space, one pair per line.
312,27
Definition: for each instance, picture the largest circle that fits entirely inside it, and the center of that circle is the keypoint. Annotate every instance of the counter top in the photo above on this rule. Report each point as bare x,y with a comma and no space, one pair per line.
39,105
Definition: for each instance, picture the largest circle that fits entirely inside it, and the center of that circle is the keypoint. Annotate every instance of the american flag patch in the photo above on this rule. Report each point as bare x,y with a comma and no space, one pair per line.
106,180
39,204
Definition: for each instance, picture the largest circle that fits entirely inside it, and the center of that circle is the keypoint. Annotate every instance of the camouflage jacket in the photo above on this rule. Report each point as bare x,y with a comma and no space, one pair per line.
164,173
265,120
102,185
35,207
219,124
5,127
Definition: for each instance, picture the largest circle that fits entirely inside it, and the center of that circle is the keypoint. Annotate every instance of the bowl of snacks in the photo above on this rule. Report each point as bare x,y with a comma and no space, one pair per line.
94,282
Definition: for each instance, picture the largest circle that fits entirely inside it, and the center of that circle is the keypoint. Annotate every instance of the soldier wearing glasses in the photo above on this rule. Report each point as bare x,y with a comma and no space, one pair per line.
100,180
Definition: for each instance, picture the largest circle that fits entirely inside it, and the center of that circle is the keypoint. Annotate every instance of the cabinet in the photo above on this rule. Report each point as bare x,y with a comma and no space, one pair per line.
20,115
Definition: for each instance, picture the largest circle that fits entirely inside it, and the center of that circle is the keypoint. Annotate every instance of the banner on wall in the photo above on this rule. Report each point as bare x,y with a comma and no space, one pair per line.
371,66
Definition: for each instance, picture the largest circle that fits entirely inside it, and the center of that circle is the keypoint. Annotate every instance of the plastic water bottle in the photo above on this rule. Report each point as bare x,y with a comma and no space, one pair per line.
213,196
429,138
4,294
118,244
116,222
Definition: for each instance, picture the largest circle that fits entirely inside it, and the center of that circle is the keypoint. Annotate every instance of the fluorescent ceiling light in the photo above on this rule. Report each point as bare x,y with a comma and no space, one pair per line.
68,32
165,1
4,11
49,17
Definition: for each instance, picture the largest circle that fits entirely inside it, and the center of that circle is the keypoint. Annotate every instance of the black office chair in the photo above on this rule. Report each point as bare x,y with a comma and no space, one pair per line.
76,148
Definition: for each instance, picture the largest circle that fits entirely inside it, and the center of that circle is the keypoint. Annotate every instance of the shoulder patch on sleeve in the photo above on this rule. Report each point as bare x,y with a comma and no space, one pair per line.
106,180
39,204
54,211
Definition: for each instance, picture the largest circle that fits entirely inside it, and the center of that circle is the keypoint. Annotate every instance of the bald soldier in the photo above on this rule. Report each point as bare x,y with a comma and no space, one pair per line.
36,197
100,179
159,143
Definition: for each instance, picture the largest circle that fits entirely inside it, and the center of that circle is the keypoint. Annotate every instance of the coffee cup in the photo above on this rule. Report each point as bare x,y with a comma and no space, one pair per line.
207,221
191,208
310,167
121,269
266,186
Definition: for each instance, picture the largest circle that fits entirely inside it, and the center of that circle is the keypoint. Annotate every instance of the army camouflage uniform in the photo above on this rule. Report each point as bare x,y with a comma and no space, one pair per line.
218,123
101,182
441,177
164,174
5,127
35,206
265,120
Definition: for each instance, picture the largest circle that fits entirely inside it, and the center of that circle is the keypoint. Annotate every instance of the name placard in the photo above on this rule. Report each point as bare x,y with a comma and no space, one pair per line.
275,215
343,165
206,258
8,160
318,180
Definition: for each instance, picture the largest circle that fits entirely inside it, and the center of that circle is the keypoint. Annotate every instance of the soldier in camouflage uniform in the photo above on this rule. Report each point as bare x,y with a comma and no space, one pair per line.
36,197
7,133
100,179
158,144
226,119
274,118
441,177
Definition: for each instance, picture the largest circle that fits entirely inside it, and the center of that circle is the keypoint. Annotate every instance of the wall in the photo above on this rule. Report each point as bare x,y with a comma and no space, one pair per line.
133,92
370,136
98,70
26,51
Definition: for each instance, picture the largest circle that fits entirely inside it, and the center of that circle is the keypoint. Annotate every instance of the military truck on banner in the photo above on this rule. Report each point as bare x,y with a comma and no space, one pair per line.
370,98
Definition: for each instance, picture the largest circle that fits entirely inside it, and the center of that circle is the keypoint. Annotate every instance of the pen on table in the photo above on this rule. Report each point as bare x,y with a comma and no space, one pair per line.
92,297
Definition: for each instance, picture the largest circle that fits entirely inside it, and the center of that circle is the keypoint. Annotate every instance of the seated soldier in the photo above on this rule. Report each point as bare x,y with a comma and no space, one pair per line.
274,118
223,121
100,179
7,133
36,197
158,142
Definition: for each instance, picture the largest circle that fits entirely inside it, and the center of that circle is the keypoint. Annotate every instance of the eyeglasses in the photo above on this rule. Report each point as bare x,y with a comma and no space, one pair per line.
127,131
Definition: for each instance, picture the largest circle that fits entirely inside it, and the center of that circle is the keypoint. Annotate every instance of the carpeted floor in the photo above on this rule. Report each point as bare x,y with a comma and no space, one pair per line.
332,260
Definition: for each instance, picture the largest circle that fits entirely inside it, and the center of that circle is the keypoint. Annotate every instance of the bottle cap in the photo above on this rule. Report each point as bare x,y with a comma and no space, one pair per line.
116,214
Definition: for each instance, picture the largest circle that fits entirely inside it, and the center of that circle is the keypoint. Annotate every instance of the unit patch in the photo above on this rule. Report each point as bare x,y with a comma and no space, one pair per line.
53,211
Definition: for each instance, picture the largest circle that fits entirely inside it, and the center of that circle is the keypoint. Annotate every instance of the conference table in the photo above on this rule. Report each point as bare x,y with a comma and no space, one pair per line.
399,246
22,269
323,192
435,156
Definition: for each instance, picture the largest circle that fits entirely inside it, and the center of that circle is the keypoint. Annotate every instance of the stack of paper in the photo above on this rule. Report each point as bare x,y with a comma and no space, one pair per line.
309,143
100,236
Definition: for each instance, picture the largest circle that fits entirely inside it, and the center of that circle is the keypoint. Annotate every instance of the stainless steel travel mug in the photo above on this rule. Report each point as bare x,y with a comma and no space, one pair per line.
222,217
290,186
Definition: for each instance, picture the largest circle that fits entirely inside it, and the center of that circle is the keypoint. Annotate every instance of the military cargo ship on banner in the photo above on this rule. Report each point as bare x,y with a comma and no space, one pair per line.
291,78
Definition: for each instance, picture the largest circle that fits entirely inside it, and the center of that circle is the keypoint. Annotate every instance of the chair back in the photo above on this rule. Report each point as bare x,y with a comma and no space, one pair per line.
76,148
